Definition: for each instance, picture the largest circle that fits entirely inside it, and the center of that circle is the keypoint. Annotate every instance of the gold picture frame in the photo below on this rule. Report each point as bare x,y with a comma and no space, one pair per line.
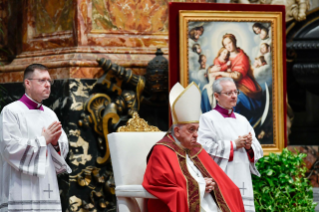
211,26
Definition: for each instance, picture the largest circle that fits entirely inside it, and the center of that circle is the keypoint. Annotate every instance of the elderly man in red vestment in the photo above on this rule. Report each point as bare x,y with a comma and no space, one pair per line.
179,172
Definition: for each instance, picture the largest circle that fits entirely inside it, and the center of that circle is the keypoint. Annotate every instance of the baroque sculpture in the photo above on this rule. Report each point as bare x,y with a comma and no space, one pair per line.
115,100
108,111
295,9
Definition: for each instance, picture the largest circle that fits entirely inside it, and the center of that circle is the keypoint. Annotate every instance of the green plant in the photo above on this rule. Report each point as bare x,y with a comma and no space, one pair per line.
282,185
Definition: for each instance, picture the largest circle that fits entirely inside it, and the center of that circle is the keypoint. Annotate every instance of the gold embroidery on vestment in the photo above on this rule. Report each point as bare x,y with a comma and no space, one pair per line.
217,193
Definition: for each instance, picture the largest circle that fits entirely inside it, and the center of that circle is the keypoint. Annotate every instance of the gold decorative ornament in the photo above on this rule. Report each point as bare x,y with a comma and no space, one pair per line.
104,112
101,186
114,117
75,203
77,159
137,124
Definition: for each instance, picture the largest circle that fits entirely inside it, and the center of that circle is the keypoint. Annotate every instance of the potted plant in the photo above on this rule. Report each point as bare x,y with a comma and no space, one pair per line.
282,185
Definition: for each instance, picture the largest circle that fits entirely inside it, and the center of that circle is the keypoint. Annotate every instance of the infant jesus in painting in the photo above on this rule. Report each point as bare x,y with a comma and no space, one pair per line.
222,60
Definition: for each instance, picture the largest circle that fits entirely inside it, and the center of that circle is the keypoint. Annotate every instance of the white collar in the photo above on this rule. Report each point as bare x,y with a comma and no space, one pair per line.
228,110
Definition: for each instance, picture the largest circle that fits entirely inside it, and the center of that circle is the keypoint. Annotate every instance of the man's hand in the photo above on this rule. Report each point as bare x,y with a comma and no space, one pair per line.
210,184
240,142
249,140
53,133
244,141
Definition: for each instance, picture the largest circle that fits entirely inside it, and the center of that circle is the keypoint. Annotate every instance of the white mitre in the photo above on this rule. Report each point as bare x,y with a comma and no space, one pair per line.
185,103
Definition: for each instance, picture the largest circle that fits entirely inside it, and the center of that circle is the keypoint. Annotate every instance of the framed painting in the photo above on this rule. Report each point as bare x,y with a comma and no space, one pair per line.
244,42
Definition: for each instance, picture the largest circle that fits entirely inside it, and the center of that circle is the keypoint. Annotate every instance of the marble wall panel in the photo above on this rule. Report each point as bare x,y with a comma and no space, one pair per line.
53,16
52,24
56,40
67,32
85,73
9,77
78,62
3,22
133,17
90,52
47,24
81,22
136,41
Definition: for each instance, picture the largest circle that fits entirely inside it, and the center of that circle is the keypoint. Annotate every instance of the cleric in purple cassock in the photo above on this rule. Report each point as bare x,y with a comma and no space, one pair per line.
33,146
230,140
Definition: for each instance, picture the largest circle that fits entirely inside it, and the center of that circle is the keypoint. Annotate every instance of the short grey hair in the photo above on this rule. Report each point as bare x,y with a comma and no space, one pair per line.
217,88
171,130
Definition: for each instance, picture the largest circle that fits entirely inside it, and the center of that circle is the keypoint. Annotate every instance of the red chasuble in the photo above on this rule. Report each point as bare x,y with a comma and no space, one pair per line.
168,179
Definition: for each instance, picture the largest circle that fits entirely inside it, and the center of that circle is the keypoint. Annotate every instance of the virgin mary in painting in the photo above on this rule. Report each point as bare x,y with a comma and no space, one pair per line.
249,100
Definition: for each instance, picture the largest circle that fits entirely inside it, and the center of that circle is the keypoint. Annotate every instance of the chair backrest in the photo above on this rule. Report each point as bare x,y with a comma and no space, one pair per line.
128,153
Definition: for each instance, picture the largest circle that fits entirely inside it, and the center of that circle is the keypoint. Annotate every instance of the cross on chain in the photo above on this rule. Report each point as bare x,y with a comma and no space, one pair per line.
243,188
48,190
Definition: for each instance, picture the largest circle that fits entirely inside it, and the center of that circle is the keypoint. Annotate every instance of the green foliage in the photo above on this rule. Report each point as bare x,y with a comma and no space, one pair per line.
282,185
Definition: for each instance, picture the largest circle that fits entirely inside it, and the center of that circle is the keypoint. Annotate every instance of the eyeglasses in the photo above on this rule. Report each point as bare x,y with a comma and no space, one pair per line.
43,81
236,93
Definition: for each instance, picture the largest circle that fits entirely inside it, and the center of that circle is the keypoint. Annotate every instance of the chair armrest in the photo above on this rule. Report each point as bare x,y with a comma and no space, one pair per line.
137,191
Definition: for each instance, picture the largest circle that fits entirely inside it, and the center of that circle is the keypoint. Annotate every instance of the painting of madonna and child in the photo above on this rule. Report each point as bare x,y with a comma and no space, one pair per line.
242,51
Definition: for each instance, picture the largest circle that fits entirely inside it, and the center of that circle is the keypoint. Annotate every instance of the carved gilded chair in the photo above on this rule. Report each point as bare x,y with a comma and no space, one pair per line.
128,154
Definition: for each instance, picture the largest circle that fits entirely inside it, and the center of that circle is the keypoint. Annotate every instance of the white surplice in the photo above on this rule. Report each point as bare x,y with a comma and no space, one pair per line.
215,134
207,203
28,177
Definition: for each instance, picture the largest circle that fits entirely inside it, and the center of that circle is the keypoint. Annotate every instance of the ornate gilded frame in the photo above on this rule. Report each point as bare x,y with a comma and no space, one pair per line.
188,13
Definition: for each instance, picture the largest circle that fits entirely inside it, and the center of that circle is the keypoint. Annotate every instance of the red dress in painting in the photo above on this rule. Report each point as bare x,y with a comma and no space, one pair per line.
168,178
247,84
223,65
